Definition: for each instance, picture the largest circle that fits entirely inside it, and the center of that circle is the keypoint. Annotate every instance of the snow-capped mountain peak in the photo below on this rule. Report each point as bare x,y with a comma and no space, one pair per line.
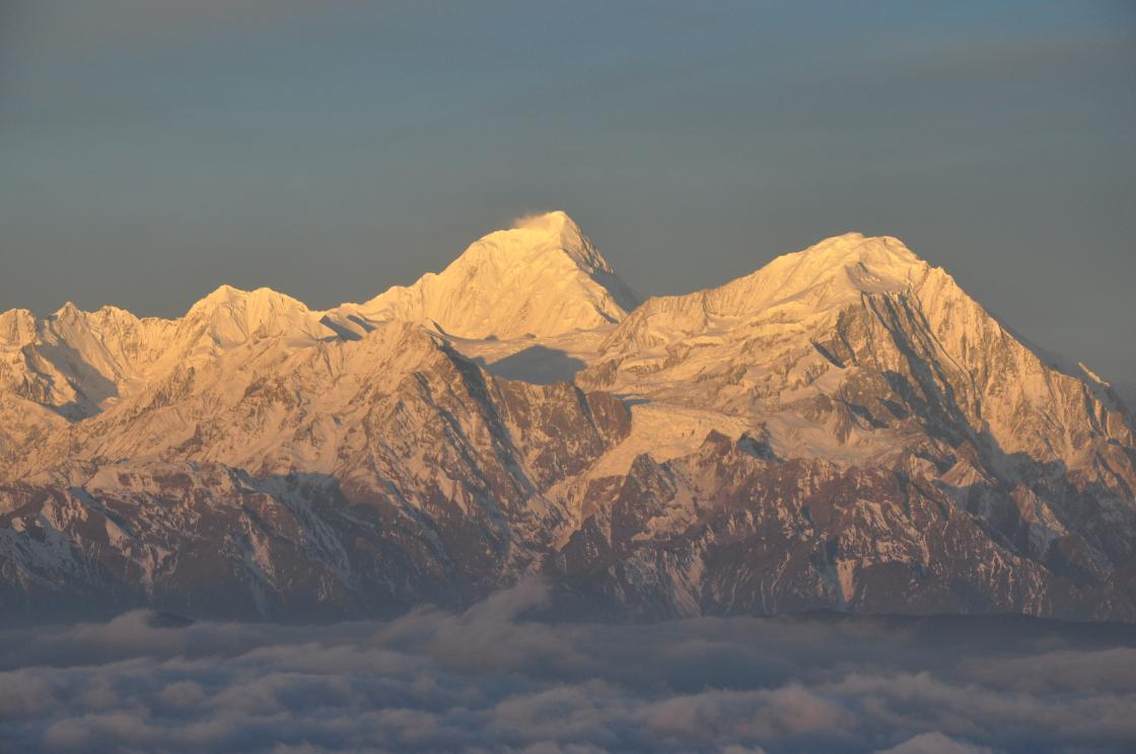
226,295
68,311
816,282
550,232
826,275
541,277
870,264
844,428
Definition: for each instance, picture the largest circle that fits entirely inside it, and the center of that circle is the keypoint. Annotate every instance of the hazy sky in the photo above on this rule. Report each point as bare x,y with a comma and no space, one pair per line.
152,149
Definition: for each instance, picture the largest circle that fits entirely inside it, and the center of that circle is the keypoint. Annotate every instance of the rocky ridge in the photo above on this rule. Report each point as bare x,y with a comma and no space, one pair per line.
845,428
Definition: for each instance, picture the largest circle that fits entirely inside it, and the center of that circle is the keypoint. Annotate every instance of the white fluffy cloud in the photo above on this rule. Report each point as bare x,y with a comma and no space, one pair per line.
489,680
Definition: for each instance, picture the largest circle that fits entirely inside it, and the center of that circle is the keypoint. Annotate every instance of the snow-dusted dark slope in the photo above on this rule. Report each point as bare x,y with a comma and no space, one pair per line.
844,428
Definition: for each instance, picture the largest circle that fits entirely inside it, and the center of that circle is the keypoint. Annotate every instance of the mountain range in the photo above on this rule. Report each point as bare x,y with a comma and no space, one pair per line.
843,429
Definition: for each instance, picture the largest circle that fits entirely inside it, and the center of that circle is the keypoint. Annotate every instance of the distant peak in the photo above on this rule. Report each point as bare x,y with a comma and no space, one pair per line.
851,261
556,225
535,237
541,276
69,309
228,294
827,275
233,316
856,247
221,294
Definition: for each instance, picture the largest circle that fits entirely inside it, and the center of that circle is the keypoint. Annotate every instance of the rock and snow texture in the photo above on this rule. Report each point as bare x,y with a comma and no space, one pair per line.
844,428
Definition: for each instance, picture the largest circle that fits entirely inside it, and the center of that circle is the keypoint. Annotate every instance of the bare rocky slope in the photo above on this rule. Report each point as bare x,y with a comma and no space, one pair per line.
843,429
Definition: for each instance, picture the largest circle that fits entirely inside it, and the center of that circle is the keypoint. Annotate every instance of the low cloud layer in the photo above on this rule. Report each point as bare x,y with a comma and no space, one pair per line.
492,680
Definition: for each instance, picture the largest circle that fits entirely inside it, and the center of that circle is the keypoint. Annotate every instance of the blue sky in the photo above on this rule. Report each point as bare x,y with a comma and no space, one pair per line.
153,149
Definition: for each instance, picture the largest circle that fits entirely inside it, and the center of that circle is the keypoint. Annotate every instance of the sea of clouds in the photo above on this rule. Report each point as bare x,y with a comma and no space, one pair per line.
493,679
